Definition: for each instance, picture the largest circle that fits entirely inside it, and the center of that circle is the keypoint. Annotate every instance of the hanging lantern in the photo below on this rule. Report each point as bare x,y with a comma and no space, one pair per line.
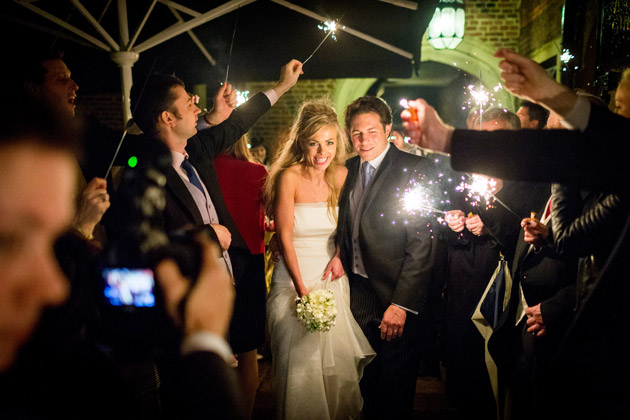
446,29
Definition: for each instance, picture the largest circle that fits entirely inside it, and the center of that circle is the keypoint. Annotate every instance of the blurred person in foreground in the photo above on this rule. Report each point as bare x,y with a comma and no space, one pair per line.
33,214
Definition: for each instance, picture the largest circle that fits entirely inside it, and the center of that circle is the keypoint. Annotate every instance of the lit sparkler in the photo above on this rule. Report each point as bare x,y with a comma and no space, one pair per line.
566,56
414,113
242,96
480,187
481,98
330,26
418,199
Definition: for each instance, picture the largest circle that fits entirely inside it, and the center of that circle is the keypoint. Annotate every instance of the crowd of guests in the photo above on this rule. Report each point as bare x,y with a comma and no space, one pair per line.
413,291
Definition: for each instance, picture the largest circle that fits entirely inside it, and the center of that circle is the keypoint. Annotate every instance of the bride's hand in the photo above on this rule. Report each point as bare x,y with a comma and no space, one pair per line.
302,291
335,267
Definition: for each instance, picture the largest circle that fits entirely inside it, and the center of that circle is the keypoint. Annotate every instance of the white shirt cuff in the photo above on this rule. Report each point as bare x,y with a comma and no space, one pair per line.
577,118
272,96
202,124
207,341
406,309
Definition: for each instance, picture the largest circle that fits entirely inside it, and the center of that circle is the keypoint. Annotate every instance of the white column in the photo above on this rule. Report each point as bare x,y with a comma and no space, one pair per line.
125,60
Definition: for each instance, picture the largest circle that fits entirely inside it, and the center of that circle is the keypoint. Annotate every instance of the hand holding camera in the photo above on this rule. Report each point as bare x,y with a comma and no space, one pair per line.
207,302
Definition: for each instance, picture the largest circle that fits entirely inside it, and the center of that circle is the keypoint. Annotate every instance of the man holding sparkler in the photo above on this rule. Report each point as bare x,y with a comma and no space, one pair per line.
193,195
388,257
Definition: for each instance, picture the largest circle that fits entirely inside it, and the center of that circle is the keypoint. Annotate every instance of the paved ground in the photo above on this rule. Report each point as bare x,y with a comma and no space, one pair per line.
430,403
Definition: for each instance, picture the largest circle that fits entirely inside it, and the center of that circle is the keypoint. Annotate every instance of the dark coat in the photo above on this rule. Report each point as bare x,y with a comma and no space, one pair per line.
397,248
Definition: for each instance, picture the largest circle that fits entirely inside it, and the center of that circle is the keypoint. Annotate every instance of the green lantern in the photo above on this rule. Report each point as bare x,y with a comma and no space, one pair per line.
446,29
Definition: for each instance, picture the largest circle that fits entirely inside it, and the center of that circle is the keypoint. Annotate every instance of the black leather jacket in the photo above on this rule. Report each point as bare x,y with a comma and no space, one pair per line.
586,227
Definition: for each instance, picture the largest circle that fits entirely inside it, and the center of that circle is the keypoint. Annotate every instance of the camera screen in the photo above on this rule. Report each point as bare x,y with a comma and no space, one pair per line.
129,287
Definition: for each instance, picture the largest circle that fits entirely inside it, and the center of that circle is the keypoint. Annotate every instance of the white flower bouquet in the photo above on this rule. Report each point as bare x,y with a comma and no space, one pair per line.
317,311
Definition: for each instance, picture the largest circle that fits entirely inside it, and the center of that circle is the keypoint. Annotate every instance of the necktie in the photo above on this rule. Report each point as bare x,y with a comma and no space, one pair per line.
192,175
368,170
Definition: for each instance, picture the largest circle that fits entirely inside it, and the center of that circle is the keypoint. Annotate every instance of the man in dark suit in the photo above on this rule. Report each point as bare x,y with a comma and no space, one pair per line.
388,256
167,112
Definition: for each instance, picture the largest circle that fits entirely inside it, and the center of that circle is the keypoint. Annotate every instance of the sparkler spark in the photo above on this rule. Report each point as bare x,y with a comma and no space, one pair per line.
566,56
418,199
242,96
480,96
329,27
480,187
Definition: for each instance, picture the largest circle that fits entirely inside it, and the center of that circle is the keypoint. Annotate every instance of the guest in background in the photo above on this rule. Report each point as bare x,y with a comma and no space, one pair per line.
532,115
242,179
258,150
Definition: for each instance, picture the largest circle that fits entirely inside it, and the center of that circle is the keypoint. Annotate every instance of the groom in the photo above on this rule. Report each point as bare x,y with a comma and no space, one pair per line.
388,256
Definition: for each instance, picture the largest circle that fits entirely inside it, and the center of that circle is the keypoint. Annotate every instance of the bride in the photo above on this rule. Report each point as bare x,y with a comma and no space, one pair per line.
315,374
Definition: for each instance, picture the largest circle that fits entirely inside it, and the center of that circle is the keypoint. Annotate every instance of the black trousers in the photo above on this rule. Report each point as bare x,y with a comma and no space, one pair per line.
388,385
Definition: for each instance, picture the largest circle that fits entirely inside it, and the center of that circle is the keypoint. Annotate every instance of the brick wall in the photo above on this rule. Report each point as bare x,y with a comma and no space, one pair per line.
541,22
496,22
280,117
107,107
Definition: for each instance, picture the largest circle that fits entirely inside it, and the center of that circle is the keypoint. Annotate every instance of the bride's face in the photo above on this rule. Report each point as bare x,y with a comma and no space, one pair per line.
321,148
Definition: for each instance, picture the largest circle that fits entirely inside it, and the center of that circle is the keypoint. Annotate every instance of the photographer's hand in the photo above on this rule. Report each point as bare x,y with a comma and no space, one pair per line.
210,302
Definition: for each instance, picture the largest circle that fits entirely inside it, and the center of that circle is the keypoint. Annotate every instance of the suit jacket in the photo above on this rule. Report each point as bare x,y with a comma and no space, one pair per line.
202,148
397,248
595,158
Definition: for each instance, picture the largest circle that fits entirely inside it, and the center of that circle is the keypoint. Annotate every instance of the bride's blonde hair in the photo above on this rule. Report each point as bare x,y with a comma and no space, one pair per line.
312,117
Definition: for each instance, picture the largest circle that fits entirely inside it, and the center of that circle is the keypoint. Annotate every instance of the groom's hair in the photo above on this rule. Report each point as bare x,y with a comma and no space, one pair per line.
365,105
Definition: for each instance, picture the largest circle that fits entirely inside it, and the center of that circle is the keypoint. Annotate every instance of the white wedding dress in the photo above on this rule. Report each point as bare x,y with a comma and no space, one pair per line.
315,374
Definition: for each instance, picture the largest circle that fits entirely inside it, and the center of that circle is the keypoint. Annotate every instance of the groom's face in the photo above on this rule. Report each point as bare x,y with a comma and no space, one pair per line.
369,135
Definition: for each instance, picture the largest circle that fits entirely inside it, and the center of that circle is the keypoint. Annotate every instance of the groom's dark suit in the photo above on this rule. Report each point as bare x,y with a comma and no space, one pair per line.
398,256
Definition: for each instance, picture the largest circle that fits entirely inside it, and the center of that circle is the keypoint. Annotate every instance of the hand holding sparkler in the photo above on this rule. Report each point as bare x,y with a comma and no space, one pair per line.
475,225
223,105
528,80
412,111
536,233
428,131
456,220
289,75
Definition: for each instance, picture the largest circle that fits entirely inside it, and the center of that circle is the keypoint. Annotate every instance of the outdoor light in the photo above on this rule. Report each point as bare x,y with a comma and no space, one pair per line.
446,29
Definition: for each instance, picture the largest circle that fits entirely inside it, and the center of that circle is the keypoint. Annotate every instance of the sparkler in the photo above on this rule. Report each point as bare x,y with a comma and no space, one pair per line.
480,187
413,111
419,198
481,98
566,56
330,26
131,121
483,187
227,70
242,96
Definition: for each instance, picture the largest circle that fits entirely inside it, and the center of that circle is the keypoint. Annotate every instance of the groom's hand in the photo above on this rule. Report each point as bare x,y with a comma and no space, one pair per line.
393,323
335,267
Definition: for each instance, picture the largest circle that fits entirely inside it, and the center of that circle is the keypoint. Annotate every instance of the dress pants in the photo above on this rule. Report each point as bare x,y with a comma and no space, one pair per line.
389,382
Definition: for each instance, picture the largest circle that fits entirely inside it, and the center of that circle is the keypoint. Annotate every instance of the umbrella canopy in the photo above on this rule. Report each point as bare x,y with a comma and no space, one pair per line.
193,38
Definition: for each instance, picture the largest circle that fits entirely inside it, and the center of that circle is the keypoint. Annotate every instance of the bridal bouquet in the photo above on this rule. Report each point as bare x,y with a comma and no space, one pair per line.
317,311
